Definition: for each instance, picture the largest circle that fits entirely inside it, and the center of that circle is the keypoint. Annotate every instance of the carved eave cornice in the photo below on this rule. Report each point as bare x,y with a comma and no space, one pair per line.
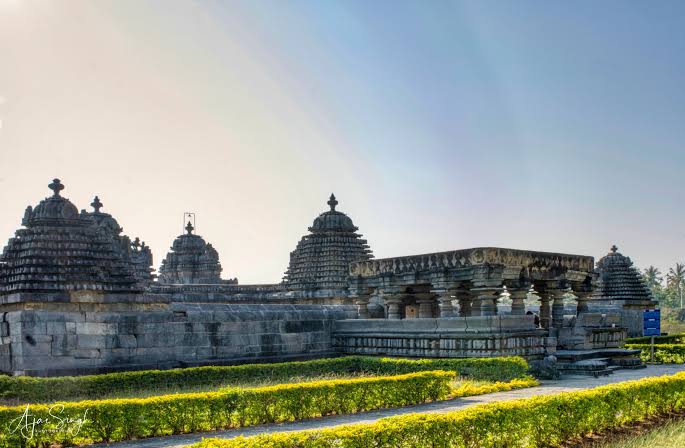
477,267
460,259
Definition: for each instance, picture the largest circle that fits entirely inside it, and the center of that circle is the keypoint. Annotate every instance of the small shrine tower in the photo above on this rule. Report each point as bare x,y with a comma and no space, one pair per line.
621,284
191,261
319,265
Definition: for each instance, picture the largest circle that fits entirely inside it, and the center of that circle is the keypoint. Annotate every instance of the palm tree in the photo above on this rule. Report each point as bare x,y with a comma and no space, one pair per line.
652,276
676,278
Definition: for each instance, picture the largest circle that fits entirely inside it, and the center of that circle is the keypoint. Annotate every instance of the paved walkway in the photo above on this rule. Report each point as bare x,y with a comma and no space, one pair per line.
568,383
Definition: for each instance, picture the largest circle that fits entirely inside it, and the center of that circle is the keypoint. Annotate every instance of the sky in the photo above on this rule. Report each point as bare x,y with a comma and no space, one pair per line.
439,125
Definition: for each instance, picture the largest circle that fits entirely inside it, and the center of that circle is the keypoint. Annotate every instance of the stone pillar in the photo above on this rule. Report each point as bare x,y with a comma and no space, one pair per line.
475,305
425,308
545,311
464,299
488,300
558,308
363,307
518,297
582,298
394,303
445,303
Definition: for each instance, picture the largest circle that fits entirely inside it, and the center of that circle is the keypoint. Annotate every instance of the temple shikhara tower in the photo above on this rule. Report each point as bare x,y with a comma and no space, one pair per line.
190,261
61,251
137,253
621,285
319,265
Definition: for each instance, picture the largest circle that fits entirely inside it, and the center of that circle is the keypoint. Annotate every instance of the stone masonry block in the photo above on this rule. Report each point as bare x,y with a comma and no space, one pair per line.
56,328
95,328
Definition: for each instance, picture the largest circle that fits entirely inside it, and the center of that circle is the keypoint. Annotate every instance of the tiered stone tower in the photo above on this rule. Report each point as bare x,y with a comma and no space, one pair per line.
319,266
621,284
137,253
60,250
191,261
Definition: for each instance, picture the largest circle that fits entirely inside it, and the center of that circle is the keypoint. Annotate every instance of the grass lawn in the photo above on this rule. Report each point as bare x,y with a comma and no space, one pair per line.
671,435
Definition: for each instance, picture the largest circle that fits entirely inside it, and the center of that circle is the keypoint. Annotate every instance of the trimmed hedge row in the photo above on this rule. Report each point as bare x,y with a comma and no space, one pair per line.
663,353
546,421
669,339
114,420
467,389
45,390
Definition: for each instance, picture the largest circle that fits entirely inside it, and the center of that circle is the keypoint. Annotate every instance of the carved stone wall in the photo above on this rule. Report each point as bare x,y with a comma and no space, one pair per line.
444,338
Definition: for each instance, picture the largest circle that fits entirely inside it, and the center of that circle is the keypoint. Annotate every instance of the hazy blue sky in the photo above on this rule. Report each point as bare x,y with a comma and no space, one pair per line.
556,126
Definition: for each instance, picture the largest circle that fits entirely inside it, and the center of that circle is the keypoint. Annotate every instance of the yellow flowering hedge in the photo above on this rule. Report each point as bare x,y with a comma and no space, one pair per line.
122,419
663,353
546,421
468,389
45,390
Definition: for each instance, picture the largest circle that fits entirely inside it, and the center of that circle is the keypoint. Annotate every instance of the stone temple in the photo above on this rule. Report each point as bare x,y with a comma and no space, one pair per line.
78,296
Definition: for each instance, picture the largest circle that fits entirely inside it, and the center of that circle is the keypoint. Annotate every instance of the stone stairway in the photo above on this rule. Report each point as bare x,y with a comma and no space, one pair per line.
599,362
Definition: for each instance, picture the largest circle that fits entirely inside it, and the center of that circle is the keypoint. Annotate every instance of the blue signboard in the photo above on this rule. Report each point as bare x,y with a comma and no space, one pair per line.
651,322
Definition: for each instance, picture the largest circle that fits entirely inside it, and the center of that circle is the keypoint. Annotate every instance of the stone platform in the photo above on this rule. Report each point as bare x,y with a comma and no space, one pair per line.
50,339
480,336
598,362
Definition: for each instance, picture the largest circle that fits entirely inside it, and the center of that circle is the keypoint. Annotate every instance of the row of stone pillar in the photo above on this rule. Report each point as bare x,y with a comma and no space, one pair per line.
479,302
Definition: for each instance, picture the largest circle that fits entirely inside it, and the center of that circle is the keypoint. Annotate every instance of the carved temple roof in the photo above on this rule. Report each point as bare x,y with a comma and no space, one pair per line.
191,261
321,259
61,250
480,266
620,280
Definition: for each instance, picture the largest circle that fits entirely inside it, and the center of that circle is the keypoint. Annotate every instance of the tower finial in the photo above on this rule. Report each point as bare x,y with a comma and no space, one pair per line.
332,202
56,186
96,204
190,228
614,249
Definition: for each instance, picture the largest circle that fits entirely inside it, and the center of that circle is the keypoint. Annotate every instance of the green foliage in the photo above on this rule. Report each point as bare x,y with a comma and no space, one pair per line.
670,295
652,277
45,390
669,339
663,353
545,421
122,419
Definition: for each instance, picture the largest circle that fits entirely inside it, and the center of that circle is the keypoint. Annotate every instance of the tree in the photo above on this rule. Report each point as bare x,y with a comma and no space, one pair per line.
676,279
652,276
654,280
